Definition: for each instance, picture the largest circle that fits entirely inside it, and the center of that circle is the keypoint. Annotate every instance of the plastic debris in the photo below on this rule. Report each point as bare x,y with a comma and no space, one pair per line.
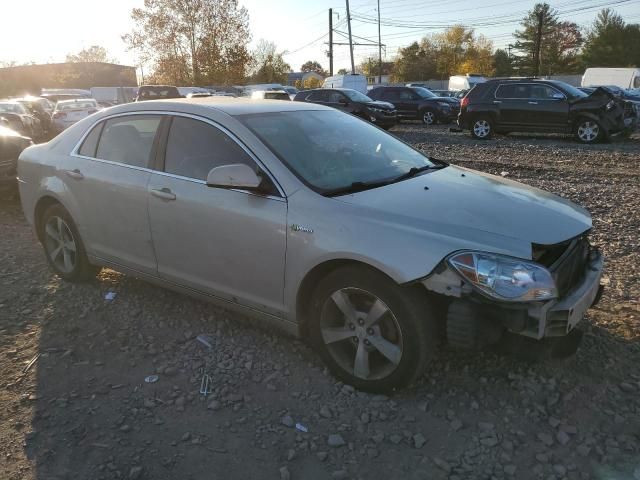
205,340
151,379
205,385
110,296
504,174
301,427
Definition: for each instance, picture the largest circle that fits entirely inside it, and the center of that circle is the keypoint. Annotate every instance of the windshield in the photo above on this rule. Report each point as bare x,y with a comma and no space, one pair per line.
330,150
12,108
423,92
356,96
571,91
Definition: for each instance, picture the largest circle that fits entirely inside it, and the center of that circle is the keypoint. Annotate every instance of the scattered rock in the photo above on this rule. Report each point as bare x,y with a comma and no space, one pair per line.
456,425
287,421
442,465
135,473
284,473
419,440
627,387
562,437
546,439
510,469
335,440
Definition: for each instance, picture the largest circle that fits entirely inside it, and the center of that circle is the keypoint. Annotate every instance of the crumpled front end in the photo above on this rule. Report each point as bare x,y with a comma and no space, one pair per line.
614,114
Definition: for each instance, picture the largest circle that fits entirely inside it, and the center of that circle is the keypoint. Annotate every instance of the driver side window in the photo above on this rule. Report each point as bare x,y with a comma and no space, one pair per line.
407,95
195,147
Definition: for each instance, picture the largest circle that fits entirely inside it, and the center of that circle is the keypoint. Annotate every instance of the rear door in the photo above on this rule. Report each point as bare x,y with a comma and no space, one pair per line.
228,243
513,105
108,176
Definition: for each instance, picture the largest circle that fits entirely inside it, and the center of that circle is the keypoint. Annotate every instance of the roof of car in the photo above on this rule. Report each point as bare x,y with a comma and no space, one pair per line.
228,105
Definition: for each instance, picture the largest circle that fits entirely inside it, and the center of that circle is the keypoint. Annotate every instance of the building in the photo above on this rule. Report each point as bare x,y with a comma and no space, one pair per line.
301,77
33,78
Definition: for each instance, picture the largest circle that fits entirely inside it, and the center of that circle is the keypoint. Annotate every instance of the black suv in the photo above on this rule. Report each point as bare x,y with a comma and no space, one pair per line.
534,105
418,103
382,114
157,92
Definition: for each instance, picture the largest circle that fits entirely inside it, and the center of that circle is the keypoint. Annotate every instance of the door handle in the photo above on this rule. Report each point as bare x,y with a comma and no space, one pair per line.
75,174
163,193
533,103
497,102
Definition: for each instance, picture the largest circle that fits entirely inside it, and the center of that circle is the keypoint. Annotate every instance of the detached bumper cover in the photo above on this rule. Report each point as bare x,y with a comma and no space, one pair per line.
559,317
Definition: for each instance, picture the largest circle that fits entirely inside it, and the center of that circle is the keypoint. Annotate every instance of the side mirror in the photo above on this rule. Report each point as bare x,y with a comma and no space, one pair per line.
237,175
558,96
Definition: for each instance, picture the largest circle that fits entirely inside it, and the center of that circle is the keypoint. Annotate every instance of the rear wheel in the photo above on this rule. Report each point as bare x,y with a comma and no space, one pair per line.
482,128
63,246
429,117
588,130
372,333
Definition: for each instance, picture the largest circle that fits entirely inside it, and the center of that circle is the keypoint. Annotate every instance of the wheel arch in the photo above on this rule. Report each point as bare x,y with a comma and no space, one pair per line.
311,279
42,205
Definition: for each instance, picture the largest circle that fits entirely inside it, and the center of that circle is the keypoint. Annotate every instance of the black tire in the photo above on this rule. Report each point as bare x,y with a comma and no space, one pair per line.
79,269
428,116
588,130
482,127
408,320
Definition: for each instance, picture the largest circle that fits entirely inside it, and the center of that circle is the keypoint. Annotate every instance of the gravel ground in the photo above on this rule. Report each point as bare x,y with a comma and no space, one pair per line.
83,410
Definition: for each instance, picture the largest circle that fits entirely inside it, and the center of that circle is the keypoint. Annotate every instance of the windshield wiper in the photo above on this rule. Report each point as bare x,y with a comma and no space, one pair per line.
413,171
354,188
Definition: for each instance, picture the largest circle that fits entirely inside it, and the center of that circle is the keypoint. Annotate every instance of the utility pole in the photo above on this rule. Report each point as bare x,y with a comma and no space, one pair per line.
379,49
353,67
536,56
331,42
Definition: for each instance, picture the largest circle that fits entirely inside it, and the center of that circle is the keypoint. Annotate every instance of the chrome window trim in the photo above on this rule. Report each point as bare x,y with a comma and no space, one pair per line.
76,149
495,94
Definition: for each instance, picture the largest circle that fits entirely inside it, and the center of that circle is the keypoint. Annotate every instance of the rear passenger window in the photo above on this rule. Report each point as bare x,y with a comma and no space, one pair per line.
318,96
514,91
195,147
128,140
88,148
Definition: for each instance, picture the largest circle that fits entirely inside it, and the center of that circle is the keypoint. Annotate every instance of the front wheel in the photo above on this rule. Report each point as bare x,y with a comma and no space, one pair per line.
63,246
588,130
371,332
482,128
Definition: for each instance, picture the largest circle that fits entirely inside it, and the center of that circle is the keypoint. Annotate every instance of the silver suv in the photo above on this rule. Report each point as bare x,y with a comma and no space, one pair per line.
316,221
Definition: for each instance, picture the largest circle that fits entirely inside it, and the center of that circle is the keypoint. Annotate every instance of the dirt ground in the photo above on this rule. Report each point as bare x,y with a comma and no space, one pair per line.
75,404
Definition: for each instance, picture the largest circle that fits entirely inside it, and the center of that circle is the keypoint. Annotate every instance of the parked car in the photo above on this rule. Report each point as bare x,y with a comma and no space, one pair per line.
68,112
383,114
11,145
36,109
19,119
292,91
270,95
445,93
57,94
157,92
534,105
354,82
199,94
418,103
316,221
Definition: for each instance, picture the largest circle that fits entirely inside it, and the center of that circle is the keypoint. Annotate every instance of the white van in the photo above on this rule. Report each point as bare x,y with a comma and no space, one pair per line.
355,82
465,82
620,77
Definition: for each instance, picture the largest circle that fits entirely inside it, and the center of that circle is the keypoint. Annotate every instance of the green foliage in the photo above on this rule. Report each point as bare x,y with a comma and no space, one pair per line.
312,66
502,63
195,42
612,43
268,65
342,71
559,44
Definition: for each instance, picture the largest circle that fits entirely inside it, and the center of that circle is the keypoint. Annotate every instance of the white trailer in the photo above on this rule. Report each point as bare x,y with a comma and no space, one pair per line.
619,77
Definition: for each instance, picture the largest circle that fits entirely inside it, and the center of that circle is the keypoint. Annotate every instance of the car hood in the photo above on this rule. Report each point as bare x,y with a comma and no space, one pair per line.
462,203
448,100
380,104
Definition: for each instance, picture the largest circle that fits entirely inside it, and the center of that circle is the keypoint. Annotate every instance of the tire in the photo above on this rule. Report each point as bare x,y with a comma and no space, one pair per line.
482,128
403,326
68,259
428,117
588,130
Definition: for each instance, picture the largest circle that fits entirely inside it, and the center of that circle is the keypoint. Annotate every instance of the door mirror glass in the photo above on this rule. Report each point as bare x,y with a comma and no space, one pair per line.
557,96
236,175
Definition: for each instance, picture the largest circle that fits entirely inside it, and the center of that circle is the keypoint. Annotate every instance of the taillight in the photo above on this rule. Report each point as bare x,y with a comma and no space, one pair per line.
464,102
59,115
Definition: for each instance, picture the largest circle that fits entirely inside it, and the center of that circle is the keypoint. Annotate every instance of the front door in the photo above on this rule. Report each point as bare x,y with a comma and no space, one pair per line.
549,108
110,173
229,243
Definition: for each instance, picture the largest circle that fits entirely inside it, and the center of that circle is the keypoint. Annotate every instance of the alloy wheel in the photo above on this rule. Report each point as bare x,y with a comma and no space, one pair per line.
481,128
361,333
60,244
588,131
429,117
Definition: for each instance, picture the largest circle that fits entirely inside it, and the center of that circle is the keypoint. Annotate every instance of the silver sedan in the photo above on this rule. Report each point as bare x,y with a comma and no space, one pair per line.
313,220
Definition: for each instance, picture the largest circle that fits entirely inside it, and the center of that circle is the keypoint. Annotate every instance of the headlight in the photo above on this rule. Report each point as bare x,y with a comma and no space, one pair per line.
610,105
505,278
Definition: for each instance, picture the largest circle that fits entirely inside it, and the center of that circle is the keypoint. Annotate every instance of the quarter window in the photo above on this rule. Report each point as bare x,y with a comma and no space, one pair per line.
195,147
88,148
128,140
